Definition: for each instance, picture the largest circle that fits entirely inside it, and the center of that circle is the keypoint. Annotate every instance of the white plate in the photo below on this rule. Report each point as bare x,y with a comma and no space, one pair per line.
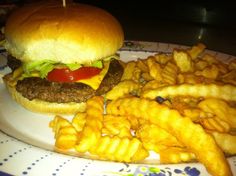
26,141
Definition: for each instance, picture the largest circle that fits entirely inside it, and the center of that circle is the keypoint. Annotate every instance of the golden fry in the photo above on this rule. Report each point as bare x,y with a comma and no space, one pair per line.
210,72
154,137
146,76
65,133
162,58
200,64
134,122
154,84
169,73
176,155
210,59
128,71
195,114
215,124
119,149
142,66
123,88
219,108
226,142
78,121
183,61
66,138
232,65
189,78
196,50
91,132
225,92
57,123
202,144
222,67
230,77
154,69
116,126
136,74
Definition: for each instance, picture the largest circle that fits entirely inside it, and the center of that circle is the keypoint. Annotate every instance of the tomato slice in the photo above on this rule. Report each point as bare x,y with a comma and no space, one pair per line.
66,75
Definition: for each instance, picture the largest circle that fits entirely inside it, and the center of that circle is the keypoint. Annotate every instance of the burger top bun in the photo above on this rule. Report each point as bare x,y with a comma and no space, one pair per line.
77,33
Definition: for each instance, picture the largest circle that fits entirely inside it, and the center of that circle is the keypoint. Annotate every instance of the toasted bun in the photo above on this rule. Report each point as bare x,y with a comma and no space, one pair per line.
77,33
40,106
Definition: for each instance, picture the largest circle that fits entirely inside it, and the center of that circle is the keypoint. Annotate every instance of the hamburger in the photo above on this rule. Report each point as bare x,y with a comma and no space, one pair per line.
61,56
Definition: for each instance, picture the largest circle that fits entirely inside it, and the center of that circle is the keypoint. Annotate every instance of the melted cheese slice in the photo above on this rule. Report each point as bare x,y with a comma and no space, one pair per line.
95,81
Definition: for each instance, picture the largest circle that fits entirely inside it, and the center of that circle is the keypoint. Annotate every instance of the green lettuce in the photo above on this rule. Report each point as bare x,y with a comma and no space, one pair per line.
43,67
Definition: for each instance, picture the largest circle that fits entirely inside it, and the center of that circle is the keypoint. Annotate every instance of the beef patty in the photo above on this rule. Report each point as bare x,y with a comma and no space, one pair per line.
37,88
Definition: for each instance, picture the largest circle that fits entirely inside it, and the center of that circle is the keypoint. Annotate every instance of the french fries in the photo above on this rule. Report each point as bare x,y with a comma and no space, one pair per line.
183,61
123,88
225,92
181,106
226,141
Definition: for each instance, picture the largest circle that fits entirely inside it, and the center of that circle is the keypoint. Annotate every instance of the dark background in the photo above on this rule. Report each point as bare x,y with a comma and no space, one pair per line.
187,22
183,21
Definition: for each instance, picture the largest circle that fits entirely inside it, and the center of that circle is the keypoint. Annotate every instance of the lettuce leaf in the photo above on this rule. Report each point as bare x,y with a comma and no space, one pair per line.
43,67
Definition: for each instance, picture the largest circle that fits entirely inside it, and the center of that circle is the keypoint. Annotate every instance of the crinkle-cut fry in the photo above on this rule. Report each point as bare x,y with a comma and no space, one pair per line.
136,74
232,64
200,64
154,84
78,121
192,135
162,58
142,65
225,141
128,71
146,76
134,122
183,61
123,88
219,108
210,59
222,67
155,137
57,123
189,78
225,92
65,133
91,132
154,68
67,138
230,77
214,124
196,50
119,149
195,114
116,126
169,73
86,139
174,155
210,72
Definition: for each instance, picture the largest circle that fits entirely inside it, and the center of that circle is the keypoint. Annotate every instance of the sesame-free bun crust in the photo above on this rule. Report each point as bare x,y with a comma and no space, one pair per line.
77,33
44,107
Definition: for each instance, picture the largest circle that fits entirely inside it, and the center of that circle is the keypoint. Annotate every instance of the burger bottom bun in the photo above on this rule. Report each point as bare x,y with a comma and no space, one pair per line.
40,106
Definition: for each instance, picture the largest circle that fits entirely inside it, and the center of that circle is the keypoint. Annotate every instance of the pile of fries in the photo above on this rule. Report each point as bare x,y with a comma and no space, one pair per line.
180,105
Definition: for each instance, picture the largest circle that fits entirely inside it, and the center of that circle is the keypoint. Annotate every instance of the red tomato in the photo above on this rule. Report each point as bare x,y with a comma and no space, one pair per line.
66,75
